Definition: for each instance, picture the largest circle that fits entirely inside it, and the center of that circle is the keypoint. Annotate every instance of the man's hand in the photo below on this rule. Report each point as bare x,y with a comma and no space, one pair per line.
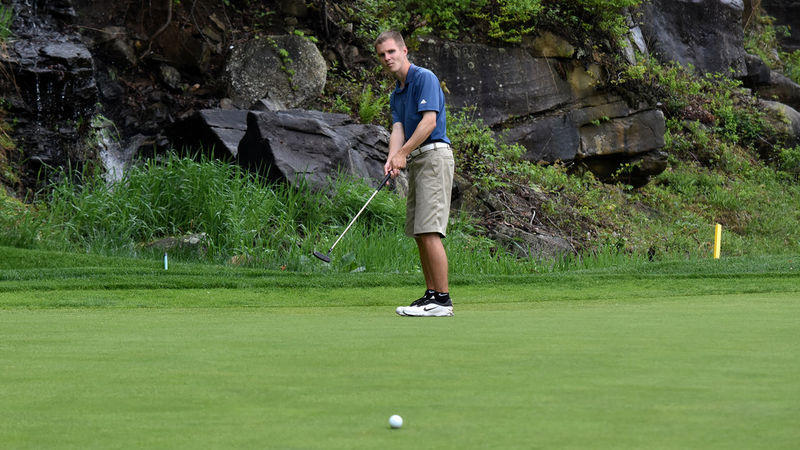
394,165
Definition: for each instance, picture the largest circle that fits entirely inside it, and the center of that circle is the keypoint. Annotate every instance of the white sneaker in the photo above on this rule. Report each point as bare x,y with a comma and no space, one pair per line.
427,309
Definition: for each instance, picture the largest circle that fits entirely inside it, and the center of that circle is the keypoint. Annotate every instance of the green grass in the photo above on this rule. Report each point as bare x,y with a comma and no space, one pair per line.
102,352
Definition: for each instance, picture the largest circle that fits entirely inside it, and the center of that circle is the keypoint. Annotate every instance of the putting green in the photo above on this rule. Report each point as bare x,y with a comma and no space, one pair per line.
707,371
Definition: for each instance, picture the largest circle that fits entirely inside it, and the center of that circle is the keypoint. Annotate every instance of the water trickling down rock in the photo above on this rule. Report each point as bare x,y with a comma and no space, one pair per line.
51,90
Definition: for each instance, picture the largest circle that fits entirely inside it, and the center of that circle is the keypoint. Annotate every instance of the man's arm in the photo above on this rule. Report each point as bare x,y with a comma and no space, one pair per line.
398,150
396,140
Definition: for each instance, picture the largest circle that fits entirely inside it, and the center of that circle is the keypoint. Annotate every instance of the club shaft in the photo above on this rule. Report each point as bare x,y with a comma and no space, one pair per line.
385,179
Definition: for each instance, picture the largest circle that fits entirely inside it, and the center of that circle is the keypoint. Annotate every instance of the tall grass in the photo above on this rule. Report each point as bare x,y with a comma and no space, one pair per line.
245,221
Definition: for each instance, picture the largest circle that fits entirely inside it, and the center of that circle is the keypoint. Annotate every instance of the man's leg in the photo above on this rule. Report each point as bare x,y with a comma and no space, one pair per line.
423,259
433,258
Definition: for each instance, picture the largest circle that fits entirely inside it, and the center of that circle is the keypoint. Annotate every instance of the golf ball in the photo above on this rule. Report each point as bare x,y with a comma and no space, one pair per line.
395,421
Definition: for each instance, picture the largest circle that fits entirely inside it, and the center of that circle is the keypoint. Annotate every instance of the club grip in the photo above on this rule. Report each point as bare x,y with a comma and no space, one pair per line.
385,180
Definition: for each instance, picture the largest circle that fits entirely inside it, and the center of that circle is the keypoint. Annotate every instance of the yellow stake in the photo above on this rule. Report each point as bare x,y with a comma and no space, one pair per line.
717,240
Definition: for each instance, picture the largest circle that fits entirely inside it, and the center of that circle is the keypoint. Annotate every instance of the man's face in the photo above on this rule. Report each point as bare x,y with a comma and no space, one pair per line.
391,55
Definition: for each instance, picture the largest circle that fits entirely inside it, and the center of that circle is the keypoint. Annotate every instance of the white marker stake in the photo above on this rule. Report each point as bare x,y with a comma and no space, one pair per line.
166,263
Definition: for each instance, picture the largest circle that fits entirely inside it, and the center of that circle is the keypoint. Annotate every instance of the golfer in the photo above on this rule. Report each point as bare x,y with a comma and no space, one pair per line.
419,143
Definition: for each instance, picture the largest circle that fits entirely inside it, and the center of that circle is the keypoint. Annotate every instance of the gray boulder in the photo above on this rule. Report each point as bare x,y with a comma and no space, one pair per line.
780,88
286,69
704,33
214,132
298,145
785,119
628,135
757,74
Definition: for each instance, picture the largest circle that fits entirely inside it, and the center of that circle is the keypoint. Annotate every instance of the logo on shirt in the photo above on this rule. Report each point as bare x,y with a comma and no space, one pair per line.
423,102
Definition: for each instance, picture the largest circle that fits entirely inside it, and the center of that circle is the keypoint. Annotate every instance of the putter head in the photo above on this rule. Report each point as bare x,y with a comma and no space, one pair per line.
323,257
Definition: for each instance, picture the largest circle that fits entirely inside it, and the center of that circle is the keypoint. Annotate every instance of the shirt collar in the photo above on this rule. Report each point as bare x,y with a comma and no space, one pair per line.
411,69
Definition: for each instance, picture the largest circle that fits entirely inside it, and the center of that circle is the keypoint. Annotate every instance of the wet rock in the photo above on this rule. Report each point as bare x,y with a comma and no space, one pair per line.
52,89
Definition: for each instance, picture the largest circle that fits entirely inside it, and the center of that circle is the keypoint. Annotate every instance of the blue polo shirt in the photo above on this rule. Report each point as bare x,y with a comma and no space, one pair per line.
421,93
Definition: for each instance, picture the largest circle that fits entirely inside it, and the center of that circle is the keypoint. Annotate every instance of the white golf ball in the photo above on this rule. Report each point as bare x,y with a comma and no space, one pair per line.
395,421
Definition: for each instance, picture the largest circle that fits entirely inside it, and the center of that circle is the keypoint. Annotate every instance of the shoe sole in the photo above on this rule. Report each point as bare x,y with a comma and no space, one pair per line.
436,313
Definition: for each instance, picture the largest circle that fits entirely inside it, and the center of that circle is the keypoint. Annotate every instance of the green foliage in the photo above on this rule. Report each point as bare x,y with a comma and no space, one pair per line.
371,106
789,160
580,17
762,38
501,20
714,100
340,105
303,35
370,17
8,173
510,20
791,63
478,152
6,18
245,220
286,61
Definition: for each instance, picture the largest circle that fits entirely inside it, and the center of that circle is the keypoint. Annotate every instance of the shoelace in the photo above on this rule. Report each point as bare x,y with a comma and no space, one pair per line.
421,301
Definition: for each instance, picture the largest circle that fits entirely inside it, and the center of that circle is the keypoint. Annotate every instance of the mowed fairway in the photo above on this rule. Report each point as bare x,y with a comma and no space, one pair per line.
616,369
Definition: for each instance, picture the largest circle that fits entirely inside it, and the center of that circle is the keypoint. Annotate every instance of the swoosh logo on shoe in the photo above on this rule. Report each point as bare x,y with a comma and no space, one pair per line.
426,309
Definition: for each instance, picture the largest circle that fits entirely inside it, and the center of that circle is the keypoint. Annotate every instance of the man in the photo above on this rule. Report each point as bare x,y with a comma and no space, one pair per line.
419,142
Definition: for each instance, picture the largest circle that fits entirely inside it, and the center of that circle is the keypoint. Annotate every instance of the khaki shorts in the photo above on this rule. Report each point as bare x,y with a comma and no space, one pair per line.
430,182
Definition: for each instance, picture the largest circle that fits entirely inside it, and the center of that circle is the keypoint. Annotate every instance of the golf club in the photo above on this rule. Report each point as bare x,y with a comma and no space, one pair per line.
327,256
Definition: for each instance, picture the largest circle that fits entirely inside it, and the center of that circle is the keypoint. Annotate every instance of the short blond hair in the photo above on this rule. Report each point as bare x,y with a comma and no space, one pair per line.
393,35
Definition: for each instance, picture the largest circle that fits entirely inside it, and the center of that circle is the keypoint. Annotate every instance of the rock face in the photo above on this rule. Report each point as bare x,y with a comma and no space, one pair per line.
311,145
503,82
704,33
51,89
550,106
288,69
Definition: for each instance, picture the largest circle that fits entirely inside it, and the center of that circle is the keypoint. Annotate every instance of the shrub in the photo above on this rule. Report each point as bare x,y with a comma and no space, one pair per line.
478,153
789,160
371,106
6,17
510,20
792,65
502,20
